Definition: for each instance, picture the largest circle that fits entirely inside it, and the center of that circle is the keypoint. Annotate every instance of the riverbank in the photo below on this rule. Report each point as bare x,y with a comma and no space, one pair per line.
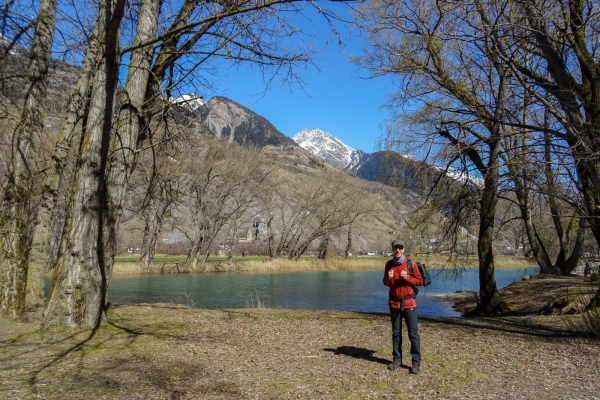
540,294
171,352
131,267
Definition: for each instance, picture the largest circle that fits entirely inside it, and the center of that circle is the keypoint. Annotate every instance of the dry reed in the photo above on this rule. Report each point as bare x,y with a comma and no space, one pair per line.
329,264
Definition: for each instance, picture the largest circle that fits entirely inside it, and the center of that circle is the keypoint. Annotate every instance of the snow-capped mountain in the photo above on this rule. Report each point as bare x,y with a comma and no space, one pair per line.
189,100
381,166
329,148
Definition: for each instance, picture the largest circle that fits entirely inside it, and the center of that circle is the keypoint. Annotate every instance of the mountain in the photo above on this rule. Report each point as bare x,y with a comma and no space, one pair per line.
229,120
386,166
329,148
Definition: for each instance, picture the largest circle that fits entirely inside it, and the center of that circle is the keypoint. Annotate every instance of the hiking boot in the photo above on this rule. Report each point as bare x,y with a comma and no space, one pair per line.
394,365
415,369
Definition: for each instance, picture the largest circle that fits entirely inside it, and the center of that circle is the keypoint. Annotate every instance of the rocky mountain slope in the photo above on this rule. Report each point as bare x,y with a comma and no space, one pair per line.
329,148
382,166
231,121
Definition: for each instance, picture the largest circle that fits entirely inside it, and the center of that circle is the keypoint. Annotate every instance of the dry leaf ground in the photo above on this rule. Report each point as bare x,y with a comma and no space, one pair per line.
172,352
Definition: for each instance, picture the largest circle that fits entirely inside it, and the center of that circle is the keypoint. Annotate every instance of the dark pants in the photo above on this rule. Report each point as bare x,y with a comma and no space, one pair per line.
412,325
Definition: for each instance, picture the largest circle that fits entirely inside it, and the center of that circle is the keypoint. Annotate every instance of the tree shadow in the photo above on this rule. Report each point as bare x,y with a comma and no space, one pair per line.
507,323
91,340
510,325
358,352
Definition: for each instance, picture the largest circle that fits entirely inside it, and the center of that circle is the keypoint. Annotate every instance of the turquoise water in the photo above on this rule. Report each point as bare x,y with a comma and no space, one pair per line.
316,290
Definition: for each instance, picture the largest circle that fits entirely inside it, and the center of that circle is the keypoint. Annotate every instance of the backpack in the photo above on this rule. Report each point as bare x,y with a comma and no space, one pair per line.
424,275
422,270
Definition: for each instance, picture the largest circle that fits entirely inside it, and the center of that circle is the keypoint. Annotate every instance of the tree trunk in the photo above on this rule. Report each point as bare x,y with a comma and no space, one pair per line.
149,239
155,215
271,238
571,263
234,240
348,243
490,302
39,257
323,247
194,253
205,259
128,127
15,208
537,248
80,285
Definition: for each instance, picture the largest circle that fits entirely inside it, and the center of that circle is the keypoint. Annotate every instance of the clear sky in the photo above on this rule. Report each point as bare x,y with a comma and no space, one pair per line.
335,99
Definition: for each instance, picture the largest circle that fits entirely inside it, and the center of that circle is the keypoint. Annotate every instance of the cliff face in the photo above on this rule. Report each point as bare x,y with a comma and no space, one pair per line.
231,121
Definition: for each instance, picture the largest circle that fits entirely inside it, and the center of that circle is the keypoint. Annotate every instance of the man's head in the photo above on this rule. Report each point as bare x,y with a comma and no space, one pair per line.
398,248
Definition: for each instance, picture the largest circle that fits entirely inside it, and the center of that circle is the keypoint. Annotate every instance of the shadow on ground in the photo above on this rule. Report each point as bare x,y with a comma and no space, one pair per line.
358,352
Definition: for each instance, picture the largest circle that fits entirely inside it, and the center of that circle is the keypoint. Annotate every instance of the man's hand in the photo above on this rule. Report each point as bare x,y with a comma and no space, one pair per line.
390,273
404,274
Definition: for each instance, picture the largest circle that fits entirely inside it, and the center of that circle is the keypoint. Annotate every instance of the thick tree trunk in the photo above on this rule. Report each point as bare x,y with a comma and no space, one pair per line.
208,238
80,285
15,208
39,257
571,263
194,253
128,127
490,302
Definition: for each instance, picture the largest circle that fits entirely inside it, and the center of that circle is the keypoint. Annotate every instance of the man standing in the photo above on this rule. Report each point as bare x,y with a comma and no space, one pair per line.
402,281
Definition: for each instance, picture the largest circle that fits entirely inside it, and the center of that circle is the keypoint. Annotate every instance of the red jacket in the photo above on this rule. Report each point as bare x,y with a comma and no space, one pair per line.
400,287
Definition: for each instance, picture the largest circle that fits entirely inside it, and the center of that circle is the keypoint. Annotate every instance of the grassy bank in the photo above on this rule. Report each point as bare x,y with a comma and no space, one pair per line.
171,352
128,266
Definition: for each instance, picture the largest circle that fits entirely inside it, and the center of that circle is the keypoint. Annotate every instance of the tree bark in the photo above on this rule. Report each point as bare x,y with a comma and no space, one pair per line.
39,257
194,253
129,120
490,302
16,200
80,284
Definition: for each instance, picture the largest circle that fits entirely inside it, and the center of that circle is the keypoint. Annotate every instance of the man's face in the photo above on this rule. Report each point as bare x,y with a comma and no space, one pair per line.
398,251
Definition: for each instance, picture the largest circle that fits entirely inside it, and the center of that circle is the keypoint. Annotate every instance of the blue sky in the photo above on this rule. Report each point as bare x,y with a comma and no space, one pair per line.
335,99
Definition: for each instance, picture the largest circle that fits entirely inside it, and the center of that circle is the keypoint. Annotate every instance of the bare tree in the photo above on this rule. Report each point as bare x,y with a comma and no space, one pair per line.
334,206
248,31
553,52
440,53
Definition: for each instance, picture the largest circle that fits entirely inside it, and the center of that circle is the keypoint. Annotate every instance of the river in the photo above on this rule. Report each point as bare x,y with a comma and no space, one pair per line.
361,291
